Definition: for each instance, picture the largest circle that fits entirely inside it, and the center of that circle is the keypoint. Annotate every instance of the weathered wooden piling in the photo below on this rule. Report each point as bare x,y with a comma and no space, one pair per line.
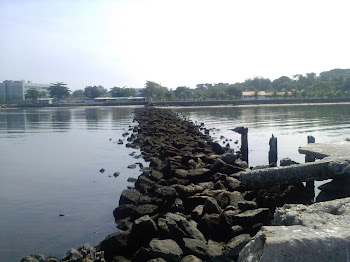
244,141
273,151
310,185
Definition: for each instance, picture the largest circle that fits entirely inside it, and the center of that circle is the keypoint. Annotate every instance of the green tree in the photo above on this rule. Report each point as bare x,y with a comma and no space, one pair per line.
122,92
92,92
155,90
234,91
2,99
78,93
59,90
32,94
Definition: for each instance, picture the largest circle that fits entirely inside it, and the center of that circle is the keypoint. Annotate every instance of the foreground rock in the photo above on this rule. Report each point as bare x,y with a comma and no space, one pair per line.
319,232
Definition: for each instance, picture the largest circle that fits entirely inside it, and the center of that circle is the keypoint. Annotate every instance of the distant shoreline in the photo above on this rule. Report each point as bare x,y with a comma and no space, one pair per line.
221,103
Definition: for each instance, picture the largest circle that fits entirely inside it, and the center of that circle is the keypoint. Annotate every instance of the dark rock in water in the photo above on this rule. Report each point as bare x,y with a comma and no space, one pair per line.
287,162
34,258
117,244
61,215
116,174
144,184
132,166
102,170
217,148
129,196
125,134
123,211
120,142
132,180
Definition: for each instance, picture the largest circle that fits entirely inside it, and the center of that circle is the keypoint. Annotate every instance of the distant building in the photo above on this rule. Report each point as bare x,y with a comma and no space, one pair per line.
16,90
263,95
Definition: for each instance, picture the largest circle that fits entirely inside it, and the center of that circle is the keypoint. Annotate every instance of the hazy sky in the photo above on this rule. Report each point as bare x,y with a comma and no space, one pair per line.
179,42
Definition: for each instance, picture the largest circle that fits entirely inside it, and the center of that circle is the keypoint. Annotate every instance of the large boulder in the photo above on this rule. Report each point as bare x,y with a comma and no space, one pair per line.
298,243
167,249
129,196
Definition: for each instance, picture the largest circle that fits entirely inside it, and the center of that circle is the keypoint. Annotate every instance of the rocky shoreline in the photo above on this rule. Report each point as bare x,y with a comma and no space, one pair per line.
190,204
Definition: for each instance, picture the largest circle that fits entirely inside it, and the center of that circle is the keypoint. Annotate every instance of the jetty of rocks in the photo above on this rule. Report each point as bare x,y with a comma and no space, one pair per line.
190,204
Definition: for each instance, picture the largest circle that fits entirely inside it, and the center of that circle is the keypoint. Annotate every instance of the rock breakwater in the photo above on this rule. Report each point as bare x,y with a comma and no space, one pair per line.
190,204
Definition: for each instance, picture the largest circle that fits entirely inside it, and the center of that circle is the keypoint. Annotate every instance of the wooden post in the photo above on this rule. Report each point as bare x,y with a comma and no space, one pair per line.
244,141
311,184
273,151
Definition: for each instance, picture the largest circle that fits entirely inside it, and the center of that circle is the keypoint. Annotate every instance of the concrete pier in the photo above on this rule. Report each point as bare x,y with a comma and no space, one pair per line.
335,163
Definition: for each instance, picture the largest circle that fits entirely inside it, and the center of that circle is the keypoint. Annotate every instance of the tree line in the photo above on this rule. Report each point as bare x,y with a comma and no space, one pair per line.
329,84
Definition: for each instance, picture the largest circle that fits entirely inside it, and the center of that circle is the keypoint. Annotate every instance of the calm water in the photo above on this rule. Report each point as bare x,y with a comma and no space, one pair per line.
290,124
49,165
50,161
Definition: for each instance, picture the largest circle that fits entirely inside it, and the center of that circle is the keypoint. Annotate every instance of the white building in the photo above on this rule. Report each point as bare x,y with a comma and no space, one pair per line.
263,95
15,90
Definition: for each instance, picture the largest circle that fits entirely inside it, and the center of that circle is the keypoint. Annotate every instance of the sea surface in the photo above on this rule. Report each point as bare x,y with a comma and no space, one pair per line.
50,160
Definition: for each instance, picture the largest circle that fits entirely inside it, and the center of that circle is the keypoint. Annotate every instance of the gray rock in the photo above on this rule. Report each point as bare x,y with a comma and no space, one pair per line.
177,206
167,249
73,255
120,259
129,196
251,217
132,166
116,244
52,259
123,211
217,148
166,192
213,249
191,258
197,212
232,183
195,247
144,229
211,206
144,184
287,162
235,245
146,209
156,260
190,228
298,243
189,190
34,258
229,158
331,213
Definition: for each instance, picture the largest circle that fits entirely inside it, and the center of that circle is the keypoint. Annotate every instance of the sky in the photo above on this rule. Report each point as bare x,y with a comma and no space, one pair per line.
171,42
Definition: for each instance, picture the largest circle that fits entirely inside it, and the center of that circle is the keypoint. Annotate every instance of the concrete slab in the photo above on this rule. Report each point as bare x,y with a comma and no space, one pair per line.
322,150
